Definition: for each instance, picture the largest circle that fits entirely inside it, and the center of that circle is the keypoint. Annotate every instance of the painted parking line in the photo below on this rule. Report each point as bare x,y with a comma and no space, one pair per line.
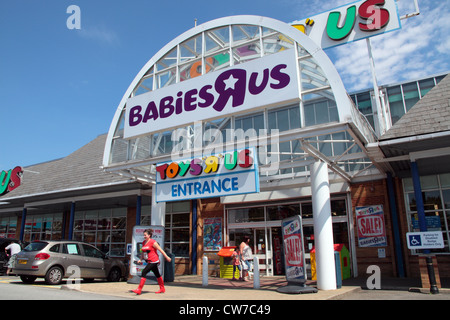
17,280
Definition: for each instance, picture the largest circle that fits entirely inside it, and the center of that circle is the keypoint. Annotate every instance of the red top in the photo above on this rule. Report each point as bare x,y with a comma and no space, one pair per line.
151,254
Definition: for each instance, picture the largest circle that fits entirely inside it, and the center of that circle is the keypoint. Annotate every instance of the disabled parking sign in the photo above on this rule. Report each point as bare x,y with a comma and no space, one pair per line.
425,240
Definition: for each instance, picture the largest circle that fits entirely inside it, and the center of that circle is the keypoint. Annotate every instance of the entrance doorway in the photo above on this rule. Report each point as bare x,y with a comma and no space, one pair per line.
262,225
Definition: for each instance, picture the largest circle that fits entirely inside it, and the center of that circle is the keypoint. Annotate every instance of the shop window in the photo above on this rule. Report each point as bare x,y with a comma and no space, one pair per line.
246,215
8,226
436,199
177,228
105,229
43,227
282,212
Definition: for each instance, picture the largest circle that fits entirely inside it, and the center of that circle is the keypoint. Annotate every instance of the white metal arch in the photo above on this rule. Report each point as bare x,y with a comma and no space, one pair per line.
347,113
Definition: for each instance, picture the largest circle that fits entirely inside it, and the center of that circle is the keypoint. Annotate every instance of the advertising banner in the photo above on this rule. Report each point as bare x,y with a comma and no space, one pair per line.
371,227
258,83
230,173
138,238
212,234
294,252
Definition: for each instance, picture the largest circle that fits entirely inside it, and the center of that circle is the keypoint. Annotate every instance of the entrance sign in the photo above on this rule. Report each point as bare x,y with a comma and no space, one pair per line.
425,240
294,252
258,83
136,246
351,22
371,227
231,173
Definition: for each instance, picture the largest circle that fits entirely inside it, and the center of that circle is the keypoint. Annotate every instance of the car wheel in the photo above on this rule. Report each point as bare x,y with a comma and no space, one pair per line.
28,279
54,276
114,275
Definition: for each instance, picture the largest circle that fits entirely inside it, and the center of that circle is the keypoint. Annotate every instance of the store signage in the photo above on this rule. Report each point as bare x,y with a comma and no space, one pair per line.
351,22
294,257
371,227
425,240
258,83
231,173
136,252
10,180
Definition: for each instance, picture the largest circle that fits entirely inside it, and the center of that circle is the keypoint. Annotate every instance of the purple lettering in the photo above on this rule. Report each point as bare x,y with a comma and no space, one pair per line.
165,107
135,116
151,112
229,84
189,100
282,78
196,167
205,95
253,88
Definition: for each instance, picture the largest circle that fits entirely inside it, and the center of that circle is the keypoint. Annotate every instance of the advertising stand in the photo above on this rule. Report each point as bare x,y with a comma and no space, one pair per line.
138,238
294,257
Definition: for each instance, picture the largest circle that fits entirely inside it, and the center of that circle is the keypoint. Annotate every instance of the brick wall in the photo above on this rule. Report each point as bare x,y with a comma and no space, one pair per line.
366,194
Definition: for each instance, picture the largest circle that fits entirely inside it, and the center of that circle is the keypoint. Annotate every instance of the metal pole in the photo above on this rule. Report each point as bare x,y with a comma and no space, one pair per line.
205,272
256,282
423,224
382,117
194,236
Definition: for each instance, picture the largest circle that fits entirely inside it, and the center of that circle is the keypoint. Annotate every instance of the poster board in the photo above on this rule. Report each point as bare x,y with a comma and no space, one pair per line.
294,251
136,245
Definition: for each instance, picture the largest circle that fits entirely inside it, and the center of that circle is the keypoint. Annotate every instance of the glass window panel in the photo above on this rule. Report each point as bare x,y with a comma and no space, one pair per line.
283,120
180,234
411,94
180,249
282,212
117,250
246,215
425,86
321,110
117,236
429,182
307,211
180,220
445,180
294,118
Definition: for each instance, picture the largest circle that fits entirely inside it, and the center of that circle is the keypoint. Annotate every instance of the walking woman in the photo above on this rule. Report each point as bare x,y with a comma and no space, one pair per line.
150,250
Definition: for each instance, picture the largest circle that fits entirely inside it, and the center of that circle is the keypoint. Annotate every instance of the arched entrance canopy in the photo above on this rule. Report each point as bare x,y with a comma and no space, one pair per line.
324,124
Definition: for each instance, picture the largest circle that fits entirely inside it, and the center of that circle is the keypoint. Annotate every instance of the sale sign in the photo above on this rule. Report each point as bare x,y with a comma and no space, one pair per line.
294,257
371,227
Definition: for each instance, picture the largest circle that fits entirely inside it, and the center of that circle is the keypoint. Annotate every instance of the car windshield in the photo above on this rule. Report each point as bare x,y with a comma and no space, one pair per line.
35,246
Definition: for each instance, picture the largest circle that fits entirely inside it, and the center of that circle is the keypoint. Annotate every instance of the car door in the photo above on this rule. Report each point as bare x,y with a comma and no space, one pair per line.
72,256
95,265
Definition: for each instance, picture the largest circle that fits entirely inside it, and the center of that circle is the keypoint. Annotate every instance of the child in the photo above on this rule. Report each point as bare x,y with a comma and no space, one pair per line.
236,262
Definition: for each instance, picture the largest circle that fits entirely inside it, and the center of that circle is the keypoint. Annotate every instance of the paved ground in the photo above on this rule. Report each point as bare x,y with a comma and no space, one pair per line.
189,287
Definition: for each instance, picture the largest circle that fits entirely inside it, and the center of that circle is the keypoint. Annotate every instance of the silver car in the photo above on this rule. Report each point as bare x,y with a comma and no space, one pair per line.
51,260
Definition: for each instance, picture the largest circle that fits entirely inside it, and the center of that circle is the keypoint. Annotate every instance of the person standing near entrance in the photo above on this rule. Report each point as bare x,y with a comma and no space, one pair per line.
150,250
247,257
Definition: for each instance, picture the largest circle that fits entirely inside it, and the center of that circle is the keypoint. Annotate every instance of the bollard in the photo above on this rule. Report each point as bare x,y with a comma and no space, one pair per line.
205,272
256,284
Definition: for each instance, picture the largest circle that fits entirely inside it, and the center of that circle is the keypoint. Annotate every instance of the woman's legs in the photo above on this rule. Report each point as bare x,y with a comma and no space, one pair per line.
150,267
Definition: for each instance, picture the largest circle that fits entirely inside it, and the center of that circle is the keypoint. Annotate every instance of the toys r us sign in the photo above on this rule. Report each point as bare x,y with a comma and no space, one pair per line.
10,180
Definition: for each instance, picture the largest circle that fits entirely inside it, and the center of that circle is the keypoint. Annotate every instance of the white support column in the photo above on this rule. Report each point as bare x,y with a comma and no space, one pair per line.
158,211
323,228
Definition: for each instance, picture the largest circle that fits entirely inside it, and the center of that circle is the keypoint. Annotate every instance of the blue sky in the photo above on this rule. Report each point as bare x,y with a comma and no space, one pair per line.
59,88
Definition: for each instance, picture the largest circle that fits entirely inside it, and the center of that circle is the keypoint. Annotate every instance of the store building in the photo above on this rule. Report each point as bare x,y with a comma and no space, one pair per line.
306,131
